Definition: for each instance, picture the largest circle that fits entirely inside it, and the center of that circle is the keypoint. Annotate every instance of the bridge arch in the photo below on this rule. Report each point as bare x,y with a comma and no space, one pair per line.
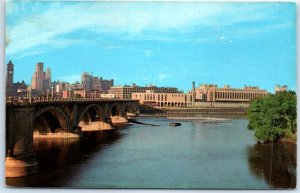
130,108
51,119
116,110
91,110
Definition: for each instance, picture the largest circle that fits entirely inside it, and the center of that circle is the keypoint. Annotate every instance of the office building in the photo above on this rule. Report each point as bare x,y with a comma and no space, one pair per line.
90,82
41,80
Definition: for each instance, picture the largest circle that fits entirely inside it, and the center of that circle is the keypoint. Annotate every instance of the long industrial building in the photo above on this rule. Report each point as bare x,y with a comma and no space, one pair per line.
208,93
211,93
151,98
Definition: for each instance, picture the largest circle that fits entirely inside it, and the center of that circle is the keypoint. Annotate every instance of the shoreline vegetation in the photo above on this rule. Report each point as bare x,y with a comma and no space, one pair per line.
273,118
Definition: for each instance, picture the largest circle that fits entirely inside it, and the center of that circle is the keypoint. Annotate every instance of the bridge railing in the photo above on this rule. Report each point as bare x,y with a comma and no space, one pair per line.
26,100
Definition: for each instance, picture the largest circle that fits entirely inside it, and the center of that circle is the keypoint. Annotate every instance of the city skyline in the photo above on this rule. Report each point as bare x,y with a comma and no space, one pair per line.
83,81
221,43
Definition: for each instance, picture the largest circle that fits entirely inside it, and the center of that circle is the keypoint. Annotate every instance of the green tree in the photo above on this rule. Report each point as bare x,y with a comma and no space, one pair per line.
273,117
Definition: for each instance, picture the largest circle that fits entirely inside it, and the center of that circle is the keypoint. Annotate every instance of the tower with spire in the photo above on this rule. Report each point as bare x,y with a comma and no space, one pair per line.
10,76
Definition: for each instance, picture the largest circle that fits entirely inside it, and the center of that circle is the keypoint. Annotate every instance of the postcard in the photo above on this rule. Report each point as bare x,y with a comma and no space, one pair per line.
150,95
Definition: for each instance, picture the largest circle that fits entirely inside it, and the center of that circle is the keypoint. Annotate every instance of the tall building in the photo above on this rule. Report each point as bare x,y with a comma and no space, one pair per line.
10,76
105,85
41,80
47,79
86,81
95,83
90,82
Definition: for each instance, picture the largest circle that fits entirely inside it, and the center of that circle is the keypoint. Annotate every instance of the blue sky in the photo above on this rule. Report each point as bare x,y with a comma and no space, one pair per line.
164,43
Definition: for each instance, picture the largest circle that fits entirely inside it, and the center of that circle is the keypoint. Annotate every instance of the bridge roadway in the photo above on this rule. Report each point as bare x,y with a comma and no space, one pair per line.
43,115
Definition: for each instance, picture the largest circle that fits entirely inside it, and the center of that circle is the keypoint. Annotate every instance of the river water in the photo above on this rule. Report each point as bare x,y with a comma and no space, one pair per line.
204,152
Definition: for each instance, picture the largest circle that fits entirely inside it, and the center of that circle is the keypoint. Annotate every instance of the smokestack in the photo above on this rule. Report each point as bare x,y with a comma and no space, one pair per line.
193,86
193,94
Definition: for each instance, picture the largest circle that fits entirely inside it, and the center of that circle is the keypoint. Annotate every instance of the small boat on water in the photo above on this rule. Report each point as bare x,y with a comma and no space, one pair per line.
174,124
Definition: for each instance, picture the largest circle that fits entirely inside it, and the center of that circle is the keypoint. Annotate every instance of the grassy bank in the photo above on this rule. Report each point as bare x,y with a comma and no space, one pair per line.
289,139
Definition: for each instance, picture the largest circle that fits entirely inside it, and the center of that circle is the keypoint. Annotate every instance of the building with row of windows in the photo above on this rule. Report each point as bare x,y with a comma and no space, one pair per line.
125,92
212,93
204,93
151,98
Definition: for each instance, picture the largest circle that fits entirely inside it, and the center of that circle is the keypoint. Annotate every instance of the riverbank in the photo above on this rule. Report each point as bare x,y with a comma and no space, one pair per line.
290,139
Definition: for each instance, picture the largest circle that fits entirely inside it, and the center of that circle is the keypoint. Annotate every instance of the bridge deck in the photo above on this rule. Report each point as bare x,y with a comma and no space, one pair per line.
37,100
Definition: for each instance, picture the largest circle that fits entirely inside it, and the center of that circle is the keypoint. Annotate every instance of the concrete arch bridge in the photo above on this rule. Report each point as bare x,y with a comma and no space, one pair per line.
24,117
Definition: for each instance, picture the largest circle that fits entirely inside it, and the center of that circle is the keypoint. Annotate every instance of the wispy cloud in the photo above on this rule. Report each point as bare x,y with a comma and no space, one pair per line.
148,53
29,53
163,76
124,19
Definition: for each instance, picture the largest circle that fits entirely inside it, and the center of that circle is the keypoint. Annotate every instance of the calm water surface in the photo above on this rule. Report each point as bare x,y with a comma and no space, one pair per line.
202,153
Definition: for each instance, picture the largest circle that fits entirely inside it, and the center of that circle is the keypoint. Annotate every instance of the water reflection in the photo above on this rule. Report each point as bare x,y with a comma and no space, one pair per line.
195,155
58,159
276,163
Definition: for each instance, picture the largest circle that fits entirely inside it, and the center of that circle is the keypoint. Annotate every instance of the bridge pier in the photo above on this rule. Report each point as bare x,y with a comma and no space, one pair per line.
95,126
118,120
105,126
20,158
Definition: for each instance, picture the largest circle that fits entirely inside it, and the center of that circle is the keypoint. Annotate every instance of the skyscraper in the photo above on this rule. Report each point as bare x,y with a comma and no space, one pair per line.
86,81
105,85
41,80
47,79
90,82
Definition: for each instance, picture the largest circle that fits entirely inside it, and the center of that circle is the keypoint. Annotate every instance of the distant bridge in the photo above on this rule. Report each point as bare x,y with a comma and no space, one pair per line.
49,115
